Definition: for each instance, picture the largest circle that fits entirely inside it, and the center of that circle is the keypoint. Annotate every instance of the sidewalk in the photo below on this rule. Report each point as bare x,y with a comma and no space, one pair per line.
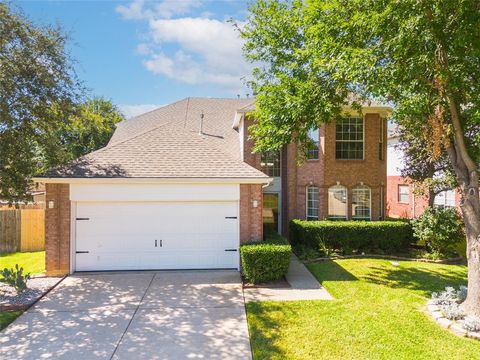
303,286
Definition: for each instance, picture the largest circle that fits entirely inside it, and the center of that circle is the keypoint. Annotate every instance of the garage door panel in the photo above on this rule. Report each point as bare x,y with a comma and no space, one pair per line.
121,236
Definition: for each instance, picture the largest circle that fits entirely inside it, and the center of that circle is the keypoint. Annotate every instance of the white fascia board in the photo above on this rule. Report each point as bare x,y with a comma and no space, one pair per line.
237,119
153,180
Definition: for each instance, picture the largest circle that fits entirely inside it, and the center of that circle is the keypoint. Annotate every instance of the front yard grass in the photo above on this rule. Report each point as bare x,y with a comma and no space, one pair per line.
6,317
378,313
32,262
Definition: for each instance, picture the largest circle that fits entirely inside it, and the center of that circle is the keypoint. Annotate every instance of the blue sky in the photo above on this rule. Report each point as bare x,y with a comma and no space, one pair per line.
142,54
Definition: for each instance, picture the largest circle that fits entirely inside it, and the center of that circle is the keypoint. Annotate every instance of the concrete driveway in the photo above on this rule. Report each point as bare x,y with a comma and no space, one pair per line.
134,315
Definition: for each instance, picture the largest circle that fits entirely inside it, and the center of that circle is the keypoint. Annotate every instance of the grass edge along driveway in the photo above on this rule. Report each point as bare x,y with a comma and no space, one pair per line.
378,313
32,262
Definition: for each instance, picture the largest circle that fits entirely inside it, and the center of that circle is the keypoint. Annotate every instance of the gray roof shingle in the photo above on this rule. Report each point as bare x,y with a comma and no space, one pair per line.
165,143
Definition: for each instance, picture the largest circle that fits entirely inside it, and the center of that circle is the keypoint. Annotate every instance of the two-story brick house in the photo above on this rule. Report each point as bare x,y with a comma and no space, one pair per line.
343,176
179,188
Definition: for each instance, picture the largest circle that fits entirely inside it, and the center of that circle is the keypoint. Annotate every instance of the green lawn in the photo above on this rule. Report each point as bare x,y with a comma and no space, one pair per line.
6,317
32,262
378,313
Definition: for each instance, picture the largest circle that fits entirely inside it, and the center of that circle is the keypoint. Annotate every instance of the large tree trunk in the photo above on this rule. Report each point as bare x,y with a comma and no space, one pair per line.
470,205
467,177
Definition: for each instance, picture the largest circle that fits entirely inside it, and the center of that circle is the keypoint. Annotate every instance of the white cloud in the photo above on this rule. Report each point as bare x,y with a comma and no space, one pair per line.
192,50
134,110
210,51
136,10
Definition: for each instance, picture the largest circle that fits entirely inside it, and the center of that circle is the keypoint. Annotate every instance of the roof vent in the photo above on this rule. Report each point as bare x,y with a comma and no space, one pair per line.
202,115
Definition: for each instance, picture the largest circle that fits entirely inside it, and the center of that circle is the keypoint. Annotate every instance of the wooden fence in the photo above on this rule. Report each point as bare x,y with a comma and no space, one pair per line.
22,230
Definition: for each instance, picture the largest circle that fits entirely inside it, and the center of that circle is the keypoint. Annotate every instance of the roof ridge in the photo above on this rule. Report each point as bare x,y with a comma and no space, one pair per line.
153,110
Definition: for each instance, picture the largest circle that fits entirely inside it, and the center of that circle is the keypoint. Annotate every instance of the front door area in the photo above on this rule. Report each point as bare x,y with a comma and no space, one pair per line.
271,207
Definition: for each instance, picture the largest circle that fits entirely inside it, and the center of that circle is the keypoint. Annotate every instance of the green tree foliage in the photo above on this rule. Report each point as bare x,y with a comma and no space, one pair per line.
422,56
90,128
38,90
441,230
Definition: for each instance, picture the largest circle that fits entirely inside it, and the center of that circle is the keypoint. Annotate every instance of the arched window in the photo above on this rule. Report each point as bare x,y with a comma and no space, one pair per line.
361,203
312,202
337,202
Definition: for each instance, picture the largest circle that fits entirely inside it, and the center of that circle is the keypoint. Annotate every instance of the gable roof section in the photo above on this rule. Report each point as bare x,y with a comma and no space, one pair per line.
168,151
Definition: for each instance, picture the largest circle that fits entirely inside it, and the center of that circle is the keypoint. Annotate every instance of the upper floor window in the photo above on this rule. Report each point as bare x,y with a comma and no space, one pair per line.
403,194
312,202
361,203
349,139
312,146
445,199
337,202
270,163
381,140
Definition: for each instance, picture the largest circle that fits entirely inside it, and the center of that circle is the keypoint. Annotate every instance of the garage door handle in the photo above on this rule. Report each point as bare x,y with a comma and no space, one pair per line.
231,250
82,252
230,217
82,219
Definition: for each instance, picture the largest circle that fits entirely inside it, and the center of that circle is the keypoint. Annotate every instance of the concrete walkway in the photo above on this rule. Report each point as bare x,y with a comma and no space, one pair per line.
303,286
134,315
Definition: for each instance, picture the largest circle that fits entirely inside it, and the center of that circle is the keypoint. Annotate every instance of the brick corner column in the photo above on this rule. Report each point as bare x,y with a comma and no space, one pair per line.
251,218
57,229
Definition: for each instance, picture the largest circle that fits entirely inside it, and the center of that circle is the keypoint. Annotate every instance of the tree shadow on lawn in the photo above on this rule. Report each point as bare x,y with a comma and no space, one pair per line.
263,330
424,281
331,271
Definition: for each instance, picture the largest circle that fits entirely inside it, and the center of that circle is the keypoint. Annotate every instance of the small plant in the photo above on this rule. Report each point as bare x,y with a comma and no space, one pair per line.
15,278
324,250
471,323
441,230
450,295
452,311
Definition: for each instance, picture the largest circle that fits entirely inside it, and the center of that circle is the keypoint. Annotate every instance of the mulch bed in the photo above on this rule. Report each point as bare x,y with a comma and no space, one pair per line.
37,287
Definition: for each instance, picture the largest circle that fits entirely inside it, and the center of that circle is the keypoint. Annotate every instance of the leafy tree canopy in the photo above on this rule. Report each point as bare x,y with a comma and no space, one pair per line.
43,120
422,56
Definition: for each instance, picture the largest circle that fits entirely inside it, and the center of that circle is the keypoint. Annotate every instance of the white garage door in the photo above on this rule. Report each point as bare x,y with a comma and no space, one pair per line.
156,235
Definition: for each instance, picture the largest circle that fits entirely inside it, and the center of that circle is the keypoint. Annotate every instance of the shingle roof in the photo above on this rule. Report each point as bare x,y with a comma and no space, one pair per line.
165,143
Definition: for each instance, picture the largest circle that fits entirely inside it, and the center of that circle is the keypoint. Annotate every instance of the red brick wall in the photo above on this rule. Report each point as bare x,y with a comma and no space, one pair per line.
57,229
416,203
327,171
251,218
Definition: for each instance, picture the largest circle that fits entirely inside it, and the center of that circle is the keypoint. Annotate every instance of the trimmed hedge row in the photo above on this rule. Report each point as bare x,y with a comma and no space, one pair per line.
265,261
352,235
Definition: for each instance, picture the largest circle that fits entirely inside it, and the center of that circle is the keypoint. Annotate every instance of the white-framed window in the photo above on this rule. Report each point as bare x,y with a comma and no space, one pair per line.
349,144
403,194
361,203
381,143
312,202
270,163
312,146
445,199
337,202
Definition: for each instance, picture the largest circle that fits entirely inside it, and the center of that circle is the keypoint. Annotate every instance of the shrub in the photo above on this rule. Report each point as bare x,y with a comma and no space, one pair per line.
450,295
471,323
347,236
441,230
452,311
265,261
15,278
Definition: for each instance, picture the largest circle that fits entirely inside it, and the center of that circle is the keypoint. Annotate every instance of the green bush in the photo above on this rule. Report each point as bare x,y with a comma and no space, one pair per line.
348,236
267,260
15,278
441,230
